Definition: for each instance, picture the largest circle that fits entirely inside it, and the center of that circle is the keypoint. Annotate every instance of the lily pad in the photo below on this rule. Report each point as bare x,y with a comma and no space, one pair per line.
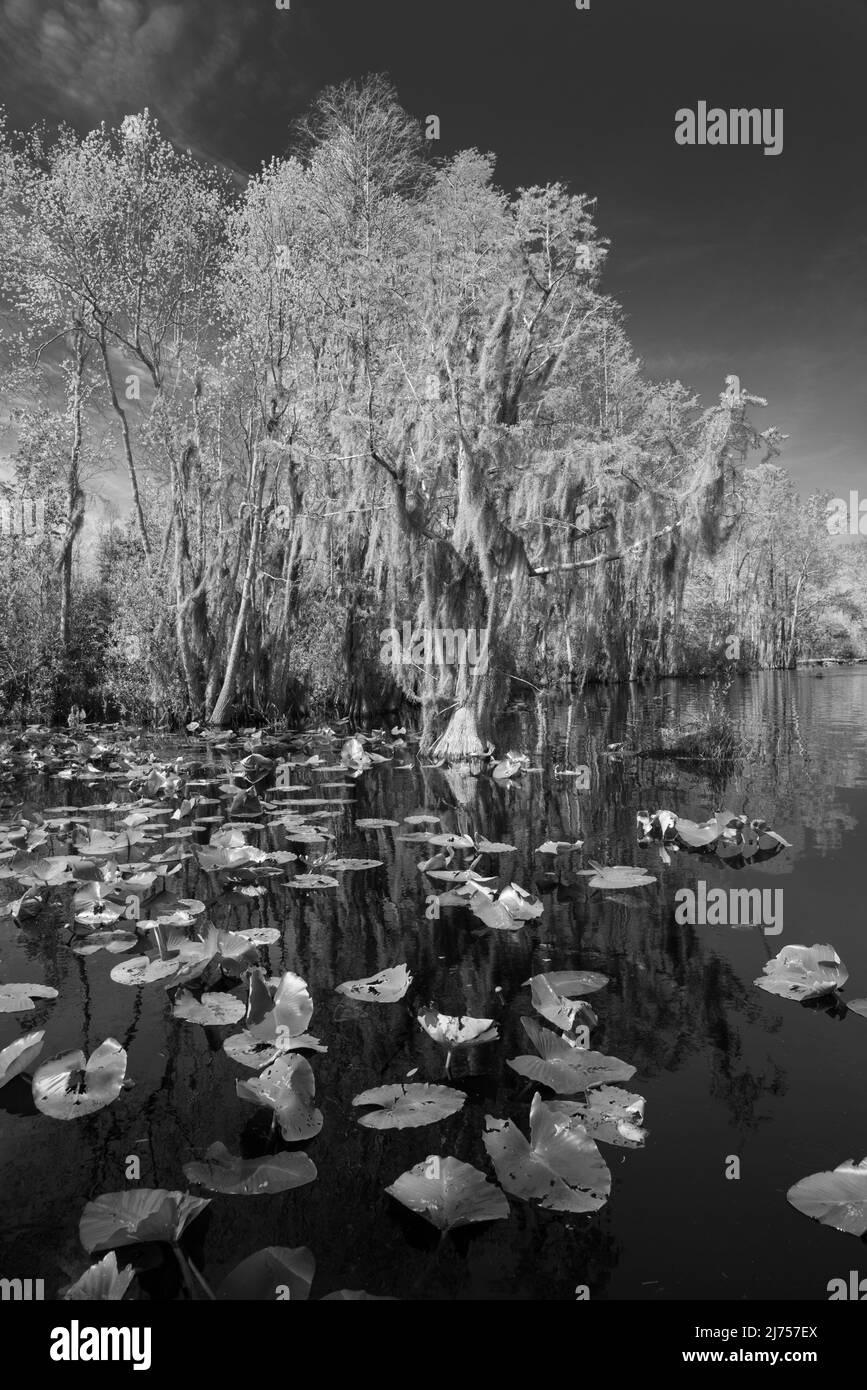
448,1193
18,998
276,1272
837,1198
560,1167
19,1054
405,1107
103,1282
137,1215
287,1087
71,1086
212,1010
223,1172
609,1115
385,988
803,972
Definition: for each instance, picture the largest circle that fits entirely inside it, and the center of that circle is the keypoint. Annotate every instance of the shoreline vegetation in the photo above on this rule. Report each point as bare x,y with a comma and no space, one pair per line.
369,391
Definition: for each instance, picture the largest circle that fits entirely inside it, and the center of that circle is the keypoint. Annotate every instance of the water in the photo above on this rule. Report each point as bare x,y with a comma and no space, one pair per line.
726,1069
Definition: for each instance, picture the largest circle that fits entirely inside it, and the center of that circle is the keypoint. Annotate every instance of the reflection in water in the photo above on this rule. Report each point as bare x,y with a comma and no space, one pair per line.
726,1069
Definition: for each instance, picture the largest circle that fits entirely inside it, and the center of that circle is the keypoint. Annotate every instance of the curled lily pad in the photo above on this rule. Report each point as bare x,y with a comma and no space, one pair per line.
211,1010
274,1273
137,1215
287,1087
837,1198
71,1086
558,1010
457,1031
448,1193
405,1107
803,972
223,1172
385,988
19,1054
18,998
560,1167
103,1282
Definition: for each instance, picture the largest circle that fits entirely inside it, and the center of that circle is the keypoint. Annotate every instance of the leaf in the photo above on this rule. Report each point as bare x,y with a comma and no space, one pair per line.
519,904
211,1010
267,1274
137,1215
803,972
287,1087
115,942
103,1282
313,881
618,876
223,1172
406,1107
18,998
568,1070
858,1006
385,988
71,1086
572,982
560,1167
457,1031
837,1198
374,823
259,936
559,846
558,1010
141,970
492,847
19,1054
351,865
609,1115
457,1195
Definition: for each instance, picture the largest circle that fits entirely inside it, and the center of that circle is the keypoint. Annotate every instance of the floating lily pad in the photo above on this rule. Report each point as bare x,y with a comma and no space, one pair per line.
405,1107
212,1010
19,998
837,1198
72,1086
223,1172
448,1193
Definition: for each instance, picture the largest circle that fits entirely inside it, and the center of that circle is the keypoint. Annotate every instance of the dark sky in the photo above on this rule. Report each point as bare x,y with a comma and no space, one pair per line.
726,260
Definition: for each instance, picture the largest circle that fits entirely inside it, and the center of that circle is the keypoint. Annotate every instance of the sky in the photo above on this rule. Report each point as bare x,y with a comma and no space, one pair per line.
726,260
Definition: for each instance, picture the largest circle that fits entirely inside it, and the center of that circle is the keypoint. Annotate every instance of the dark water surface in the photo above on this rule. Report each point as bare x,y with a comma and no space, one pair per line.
726,1069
